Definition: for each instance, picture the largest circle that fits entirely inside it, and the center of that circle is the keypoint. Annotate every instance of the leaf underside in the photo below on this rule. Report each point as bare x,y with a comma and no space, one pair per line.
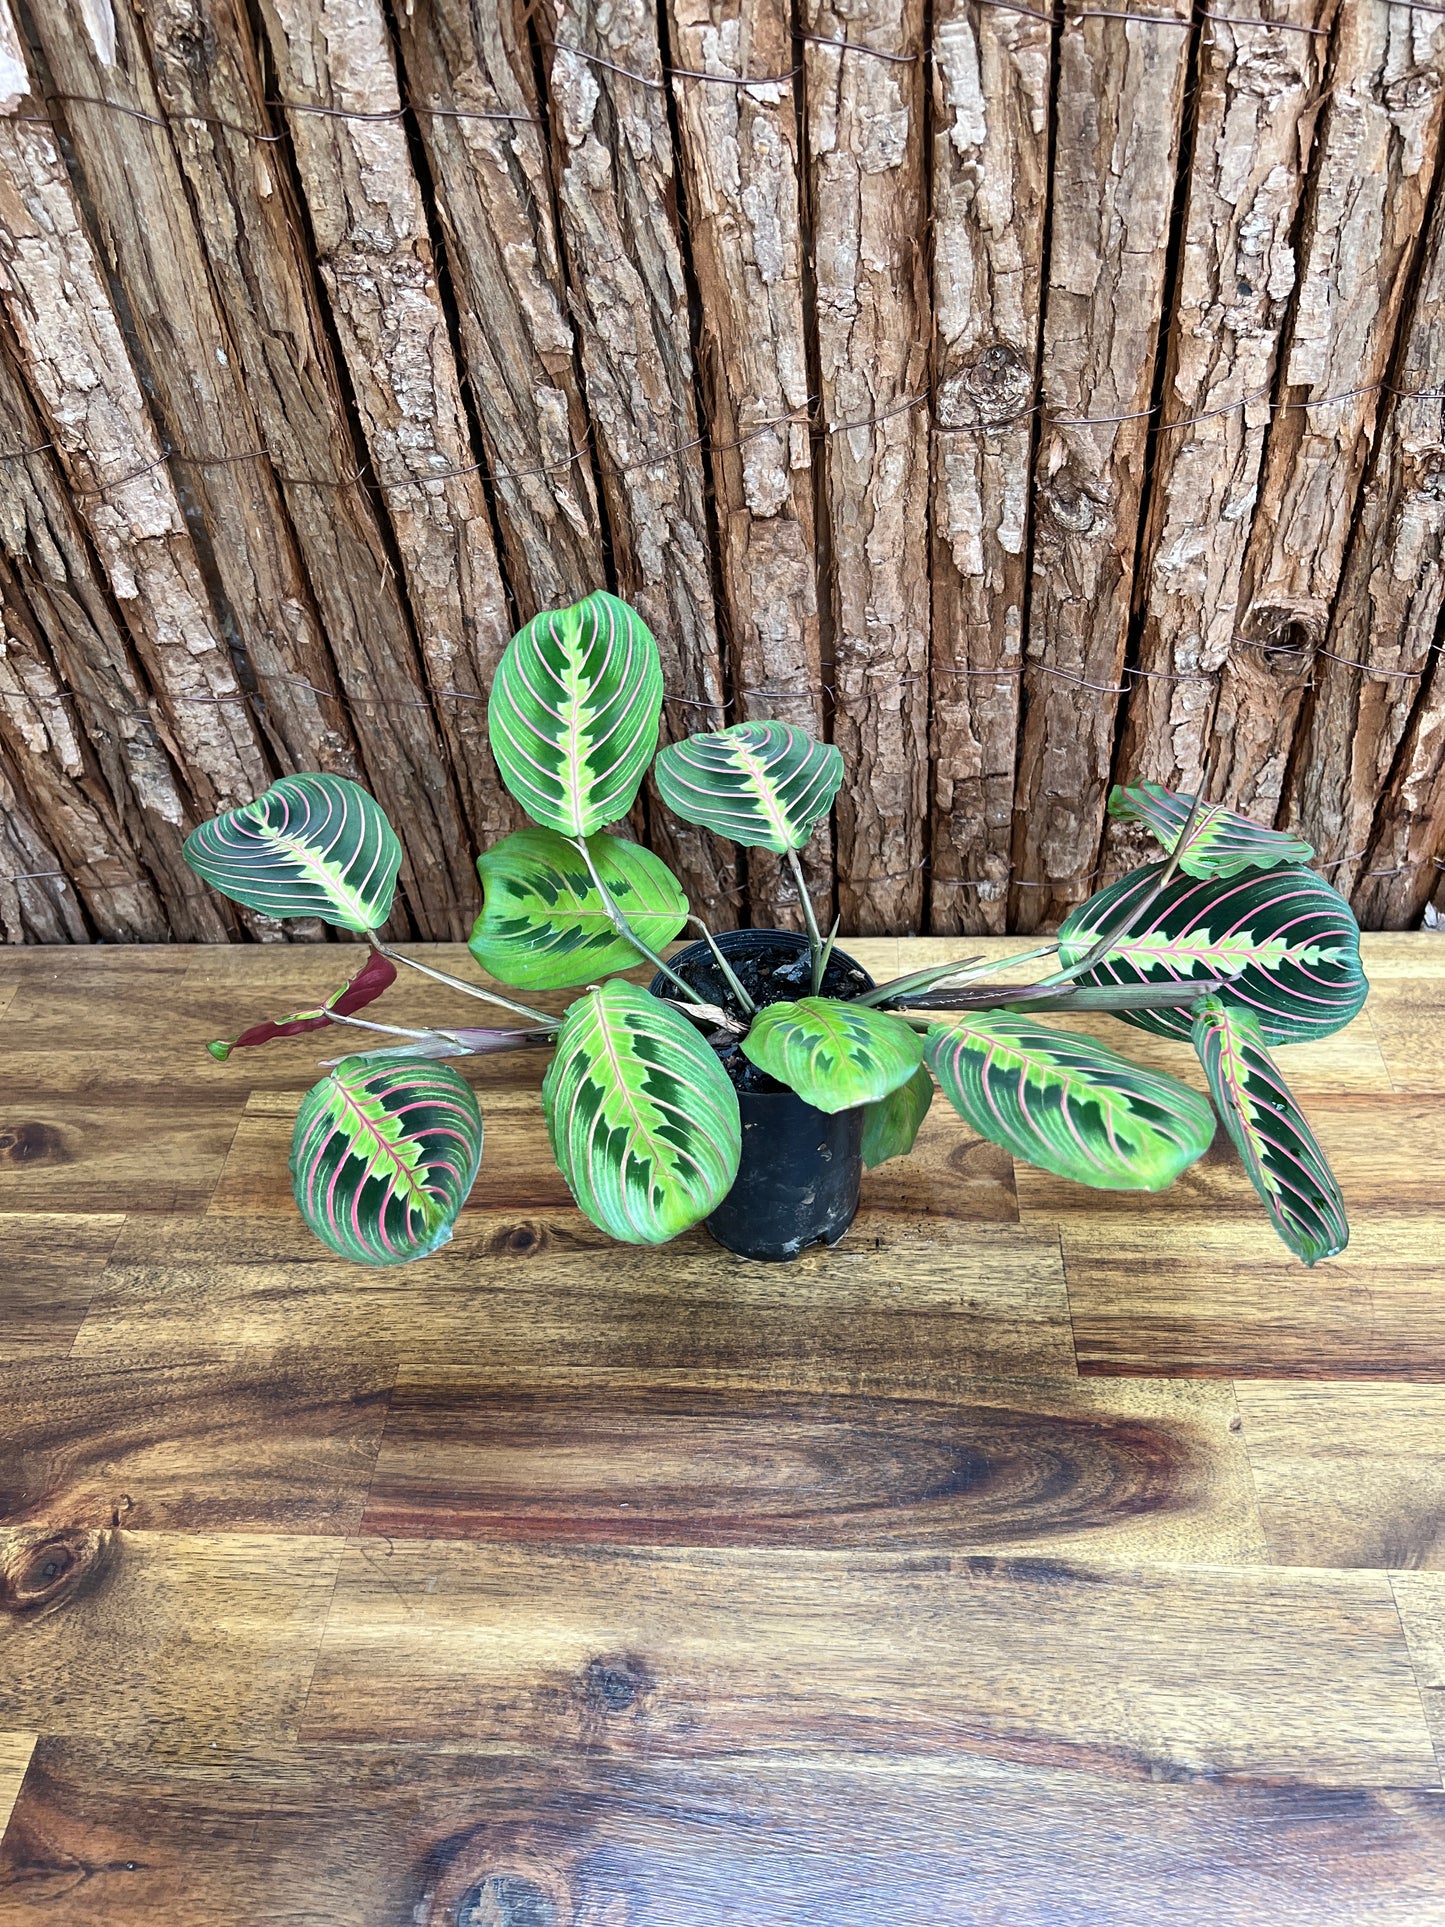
574,714
643,1120
764,785
891,1124
1068,1104
543,926
1221,843
310,846
1281,1153
383,1156
1287,943
377,974
834,1055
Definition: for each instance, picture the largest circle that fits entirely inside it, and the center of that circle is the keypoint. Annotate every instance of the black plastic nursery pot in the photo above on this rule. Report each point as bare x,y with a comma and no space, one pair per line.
797,1184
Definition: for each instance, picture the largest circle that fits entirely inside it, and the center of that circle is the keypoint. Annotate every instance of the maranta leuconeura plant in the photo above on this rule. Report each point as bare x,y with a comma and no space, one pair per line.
1228,942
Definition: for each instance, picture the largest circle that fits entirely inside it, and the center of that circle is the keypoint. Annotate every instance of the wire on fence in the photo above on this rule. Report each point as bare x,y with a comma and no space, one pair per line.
674,451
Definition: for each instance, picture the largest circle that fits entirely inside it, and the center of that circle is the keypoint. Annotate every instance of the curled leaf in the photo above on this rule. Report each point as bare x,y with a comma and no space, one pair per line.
892,1123
762,784
310,846
1221,842
1272,1135
468,1041
377,974
383,1156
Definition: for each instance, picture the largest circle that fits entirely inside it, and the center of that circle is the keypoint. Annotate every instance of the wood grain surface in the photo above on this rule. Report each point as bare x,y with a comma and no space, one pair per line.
1038,1556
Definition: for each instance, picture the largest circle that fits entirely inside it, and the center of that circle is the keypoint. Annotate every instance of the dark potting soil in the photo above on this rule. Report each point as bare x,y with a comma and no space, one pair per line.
778,975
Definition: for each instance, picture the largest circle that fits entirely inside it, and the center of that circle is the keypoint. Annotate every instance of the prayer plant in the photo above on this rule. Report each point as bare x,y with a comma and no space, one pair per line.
1227,942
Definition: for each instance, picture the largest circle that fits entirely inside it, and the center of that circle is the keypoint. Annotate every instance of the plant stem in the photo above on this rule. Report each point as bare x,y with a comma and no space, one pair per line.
951,974
363,1023
460,983
820,962
815,941
624,929
734,983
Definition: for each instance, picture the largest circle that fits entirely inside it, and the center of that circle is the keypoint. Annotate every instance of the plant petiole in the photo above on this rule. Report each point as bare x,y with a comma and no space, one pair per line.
734,984
364,1023
1103,944
624,929
820,962
460,983
815,941
950,976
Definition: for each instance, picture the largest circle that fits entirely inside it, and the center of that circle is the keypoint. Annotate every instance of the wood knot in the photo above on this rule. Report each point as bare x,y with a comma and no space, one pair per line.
507,1900
1412,91
993,387
614,1685
518,1241
43,1571
1428,478
30,1142
1070,507
1287,622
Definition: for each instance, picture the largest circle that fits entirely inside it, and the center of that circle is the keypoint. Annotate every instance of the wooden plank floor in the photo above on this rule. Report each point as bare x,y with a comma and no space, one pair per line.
1037,1558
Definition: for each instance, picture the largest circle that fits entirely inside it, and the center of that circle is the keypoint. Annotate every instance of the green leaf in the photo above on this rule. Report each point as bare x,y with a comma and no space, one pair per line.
543,926
383,1156
891,1124
1281,1153
1067,1104
643,1120
1221,843
311,846
834,1055
574,713
1285,940
764,785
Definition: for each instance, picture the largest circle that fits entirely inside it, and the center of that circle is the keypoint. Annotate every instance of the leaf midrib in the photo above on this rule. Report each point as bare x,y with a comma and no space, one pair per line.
316,868
1113,1097
411,1185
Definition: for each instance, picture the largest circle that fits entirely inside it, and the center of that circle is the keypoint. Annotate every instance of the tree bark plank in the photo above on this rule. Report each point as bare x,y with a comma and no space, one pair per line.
865,151
37,904
1120,95
39,729
376,259
1254,118
1403,870
1371,179
52,574
1390,602
208,78
494,203
990,176
618,197
186,356
95,414
740,163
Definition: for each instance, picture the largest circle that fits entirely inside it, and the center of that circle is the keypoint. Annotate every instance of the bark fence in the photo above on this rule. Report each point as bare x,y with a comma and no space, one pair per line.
1028,398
